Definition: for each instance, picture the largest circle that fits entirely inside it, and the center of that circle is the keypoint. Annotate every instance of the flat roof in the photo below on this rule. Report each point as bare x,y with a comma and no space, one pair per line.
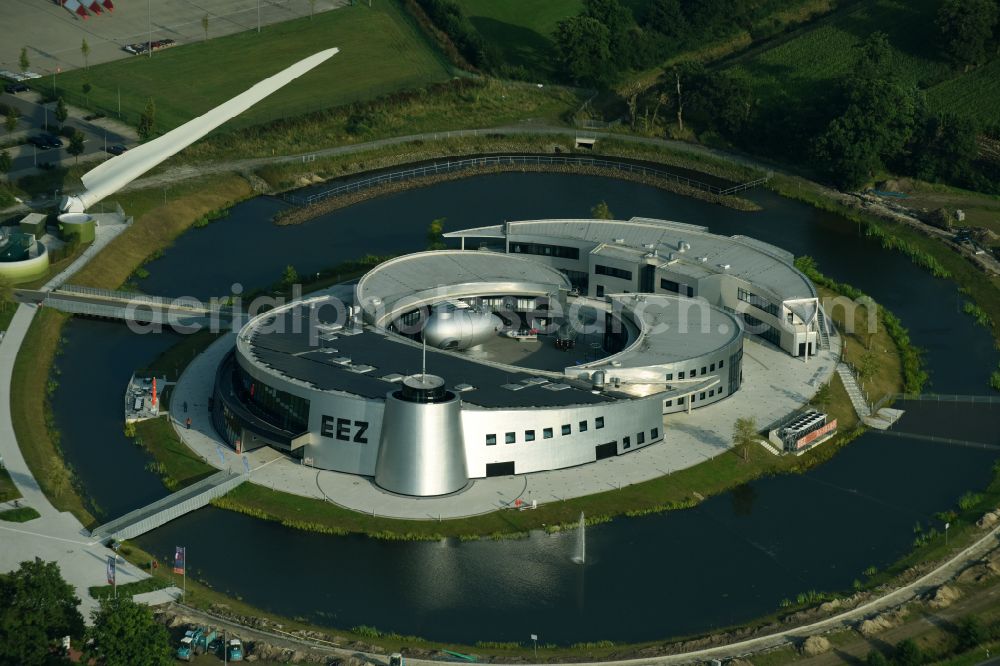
674,329
411,275
750,259
370,364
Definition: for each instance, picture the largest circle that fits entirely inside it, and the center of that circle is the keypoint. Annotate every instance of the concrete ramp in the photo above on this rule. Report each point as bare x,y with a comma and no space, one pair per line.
173,506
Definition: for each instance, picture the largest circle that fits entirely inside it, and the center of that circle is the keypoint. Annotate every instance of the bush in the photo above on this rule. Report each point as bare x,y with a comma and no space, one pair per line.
908,654
876,658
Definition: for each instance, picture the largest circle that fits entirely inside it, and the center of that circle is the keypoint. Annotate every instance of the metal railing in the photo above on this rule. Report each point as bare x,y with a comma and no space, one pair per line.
933,397
110,294
170,507
453,165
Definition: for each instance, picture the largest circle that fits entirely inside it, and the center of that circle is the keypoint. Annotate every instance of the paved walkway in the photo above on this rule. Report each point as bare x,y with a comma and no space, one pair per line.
54,536
774,385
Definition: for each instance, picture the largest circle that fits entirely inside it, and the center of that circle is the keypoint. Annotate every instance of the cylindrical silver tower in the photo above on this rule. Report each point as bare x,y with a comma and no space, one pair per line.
421,451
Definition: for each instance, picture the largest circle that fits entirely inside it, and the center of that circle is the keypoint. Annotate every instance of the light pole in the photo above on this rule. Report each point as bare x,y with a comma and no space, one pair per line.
258,17
946,526
149,20
534,640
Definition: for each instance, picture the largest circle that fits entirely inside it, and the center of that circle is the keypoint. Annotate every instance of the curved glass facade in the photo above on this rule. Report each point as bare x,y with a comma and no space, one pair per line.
282,410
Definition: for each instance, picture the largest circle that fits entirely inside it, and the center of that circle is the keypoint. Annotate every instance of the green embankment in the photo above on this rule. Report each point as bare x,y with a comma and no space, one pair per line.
381,52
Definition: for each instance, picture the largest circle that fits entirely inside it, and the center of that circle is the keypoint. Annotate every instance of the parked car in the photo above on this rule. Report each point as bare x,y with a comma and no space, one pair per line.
117,149
14,88
39,142
52,140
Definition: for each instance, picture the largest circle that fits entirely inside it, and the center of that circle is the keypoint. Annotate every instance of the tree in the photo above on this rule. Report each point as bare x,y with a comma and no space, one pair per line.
23,60
147,121
37,608
85,50
5,161
583,50
744,437
204,25
435,229
125,633
876,658
823,396
289,277
76,146
966,28
908,653
667,18
970,633
614,16
61,112
601,211
874,58
10,121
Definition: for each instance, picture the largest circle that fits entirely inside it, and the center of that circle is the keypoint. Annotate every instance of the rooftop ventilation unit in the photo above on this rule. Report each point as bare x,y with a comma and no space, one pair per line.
703,259
620,241
682,246
724,267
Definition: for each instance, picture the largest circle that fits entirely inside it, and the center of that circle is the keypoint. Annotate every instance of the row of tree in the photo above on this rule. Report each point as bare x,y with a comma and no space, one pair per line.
38,608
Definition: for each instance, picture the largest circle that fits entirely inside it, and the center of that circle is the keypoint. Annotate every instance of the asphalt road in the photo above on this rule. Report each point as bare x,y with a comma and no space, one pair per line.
33,121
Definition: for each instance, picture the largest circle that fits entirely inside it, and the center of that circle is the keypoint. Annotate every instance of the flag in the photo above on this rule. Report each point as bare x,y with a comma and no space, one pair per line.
111,569
179,554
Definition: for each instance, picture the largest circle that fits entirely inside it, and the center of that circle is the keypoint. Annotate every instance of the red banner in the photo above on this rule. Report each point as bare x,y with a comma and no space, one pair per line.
816,434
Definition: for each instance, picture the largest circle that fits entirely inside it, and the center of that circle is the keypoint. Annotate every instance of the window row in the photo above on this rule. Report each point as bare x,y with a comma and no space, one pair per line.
547,433
758,302
703,395
611,271
677,287
764,330
560,251
640,438
693,372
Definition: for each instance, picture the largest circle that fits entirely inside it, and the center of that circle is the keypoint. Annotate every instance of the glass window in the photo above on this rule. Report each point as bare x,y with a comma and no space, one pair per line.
680,375
701,396
721,362
547,433
654,433
600,290
626,442
640,438
599,422
703,369
566,429
583,426
711,368
510,438
680,401
670,376
491,440
670,403
711,393
529,435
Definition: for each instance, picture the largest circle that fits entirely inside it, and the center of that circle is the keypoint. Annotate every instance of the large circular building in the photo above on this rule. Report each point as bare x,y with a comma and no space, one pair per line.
455,365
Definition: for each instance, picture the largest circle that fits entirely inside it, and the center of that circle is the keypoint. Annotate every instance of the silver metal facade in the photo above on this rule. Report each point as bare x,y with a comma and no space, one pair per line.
421,450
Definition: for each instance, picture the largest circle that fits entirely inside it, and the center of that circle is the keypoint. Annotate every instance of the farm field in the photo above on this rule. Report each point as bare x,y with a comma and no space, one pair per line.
975,94
381,51
807,64
521,29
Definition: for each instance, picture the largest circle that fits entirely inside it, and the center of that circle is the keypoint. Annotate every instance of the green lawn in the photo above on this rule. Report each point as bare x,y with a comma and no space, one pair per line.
811,61
521,29
8,490
381,52
21,514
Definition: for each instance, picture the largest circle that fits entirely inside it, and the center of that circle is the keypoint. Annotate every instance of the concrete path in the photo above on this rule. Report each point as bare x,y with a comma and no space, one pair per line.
853,391
775,384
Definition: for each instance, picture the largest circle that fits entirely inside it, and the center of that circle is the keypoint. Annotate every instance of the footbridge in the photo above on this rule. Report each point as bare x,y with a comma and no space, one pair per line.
128,306
162,511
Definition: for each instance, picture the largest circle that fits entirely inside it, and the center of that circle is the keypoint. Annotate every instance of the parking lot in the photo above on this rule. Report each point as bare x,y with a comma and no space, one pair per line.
53,36
37,120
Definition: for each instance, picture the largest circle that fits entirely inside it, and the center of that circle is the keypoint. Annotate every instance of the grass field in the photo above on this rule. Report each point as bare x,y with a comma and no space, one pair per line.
381,51
521,29
817,55
19,515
